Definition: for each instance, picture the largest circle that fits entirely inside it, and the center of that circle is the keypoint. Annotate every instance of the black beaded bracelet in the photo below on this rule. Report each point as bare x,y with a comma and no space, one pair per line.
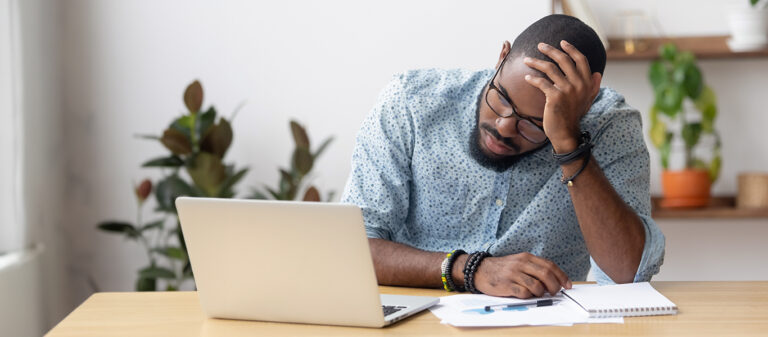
470,268
584,148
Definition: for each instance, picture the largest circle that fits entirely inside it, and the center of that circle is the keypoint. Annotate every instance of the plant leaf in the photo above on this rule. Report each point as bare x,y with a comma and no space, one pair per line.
665,150
302,160
258,195
150,137
231,180
170,161
287,186
170,188
207,172
120,227
218,138
693,81
205,121
175,141
707,104
714,168
157,272
153,224
311,194
299,135
691,133
173,253
146,284
668,51
657,73
274,194
322,147
669,99
658,133
193,97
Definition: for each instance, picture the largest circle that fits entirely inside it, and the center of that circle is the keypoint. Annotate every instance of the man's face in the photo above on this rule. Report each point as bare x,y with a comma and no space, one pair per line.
498,139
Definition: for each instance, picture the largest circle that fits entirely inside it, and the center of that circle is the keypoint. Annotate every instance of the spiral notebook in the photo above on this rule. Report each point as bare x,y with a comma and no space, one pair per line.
632,299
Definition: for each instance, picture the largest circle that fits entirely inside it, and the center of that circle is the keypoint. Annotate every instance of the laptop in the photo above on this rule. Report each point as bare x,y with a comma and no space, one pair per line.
282,261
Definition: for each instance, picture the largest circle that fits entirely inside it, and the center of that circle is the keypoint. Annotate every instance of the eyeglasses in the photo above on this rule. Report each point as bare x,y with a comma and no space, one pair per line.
501,105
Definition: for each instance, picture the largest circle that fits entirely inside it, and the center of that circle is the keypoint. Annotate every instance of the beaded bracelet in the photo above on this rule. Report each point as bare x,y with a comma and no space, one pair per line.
470,268
446,270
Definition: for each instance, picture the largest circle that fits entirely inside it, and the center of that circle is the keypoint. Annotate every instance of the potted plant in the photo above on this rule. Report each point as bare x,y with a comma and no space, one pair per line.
748,22
196,143
684,110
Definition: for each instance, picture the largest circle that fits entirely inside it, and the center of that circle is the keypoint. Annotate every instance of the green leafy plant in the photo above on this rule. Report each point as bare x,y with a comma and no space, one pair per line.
197,142
675,78
302,162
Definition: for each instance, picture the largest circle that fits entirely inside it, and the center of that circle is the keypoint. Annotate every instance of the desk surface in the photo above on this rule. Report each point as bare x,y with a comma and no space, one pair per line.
706,309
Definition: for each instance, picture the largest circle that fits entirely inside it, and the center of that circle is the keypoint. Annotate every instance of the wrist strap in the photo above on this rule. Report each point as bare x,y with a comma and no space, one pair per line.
446,270
470,268
585,147
569,181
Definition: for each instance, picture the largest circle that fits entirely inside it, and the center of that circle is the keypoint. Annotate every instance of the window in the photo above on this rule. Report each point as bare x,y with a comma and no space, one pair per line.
11,224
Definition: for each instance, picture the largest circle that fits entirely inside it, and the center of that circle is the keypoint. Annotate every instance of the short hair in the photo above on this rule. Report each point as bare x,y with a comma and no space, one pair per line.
551,30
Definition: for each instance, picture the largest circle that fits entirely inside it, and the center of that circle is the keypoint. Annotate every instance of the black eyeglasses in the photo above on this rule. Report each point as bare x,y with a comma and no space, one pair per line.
501,105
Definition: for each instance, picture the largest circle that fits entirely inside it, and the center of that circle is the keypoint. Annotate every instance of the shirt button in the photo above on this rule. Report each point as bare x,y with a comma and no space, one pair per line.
499,202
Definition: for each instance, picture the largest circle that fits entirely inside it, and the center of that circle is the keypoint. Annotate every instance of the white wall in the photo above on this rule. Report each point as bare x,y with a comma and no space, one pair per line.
125,64
706,249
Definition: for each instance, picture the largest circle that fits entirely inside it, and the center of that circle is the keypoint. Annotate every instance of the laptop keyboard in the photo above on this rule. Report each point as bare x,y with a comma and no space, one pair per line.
391,309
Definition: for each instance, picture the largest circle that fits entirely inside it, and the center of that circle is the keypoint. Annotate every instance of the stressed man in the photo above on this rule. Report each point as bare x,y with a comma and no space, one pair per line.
510,181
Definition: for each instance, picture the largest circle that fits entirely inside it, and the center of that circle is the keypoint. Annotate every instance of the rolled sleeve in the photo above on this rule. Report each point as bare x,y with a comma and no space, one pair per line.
379,182
623,156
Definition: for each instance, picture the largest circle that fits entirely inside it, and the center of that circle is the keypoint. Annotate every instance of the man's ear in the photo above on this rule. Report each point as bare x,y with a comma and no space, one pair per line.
596,79
504,51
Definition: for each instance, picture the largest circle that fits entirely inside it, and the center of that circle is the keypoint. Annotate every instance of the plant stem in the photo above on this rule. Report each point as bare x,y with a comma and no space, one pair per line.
142,239
688,150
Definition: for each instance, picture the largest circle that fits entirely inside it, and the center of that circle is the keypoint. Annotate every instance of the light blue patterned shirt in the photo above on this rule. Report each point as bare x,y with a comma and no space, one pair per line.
417,184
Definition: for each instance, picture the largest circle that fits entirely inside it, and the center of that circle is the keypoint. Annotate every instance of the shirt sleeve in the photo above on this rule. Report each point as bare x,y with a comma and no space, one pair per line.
623,156
379,182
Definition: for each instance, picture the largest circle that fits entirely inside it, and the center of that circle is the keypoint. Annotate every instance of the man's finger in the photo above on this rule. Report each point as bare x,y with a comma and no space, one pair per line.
542,84
548,68
518,291
533,285
561,276
578,58
545,276
563,60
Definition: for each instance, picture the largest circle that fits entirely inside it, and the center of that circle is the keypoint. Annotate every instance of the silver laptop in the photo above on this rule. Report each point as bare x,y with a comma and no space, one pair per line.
287,262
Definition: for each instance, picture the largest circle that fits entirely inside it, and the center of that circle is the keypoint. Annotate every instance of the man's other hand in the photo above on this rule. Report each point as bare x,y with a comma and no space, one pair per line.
520,275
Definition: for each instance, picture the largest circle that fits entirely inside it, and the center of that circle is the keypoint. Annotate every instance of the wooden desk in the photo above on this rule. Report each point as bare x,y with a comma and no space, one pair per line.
706,309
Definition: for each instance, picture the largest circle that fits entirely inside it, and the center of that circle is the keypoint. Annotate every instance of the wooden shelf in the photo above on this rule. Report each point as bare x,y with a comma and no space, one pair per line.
719,208
704,47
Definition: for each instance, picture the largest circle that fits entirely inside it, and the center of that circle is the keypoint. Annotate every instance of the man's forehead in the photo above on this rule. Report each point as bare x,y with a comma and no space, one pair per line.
528,100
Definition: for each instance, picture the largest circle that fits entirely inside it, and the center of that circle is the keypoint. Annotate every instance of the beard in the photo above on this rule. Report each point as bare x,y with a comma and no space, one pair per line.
496,163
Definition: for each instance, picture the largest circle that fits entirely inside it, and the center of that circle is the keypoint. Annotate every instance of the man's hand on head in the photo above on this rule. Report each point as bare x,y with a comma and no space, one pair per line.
520,275
569,93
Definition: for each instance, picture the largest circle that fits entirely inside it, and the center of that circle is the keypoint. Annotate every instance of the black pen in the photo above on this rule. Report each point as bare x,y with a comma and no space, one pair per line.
538,303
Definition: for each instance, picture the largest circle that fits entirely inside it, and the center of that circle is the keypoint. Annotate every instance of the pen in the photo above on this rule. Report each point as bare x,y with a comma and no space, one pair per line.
538,303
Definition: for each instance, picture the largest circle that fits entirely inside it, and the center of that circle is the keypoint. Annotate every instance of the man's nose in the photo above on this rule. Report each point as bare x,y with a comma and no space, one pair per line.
507,127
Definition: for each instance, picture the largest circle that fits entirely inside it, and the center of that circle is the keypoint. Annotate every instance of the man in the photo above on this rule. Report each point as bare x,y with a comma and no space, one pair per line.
532,163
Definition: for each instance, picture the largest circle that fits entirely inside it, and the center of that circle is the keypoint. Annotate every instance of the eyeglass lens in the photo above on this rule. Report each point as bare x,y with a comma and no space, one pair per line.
503,109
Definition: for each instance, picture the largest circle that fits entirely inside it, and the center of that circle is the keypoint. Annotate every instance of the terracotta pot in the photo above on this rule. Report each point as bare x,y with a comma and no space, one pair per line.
685,188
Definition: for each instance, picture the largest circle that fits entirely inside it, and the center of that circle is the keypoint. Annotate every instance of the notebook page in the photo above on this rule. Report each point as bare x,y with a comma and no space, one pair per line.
632,299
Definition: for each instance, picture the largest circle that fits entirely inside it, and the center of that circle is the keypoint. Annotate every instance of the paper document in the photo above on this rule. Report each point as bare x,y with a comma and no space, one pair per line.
468,310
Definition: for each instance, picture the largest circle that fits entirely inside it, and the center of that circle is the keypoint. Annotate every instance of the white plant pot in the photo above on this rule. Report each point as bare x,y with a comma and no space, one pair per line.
749,28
